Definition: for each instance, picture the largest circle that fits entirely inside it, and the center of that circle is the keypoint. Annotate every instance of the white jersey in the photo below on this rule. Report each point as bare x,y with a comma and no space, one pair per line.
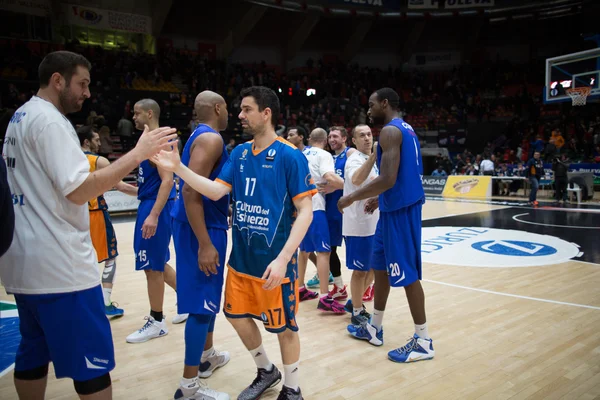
52,250
355,221
320,162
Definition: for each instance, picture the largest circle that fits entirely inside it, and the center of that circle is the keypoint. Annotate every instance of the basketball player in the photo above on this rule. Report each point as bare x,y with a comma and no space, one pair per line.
51,266
7,212
152,232
322,169
101,228
297,136
200,235
262,266
337,142
397,243
358,225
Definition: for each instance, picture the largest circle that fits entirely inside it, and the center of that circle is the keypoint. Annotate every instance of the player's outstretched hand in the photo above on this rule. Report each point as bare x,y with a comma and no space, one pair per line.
151,142
344,202
167,159
208,259
371,205
274,274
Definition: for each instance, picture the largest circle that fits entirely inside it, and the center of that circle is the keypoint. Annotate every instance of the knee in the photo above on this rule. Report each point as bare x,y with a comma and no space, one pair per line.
92,386
153,275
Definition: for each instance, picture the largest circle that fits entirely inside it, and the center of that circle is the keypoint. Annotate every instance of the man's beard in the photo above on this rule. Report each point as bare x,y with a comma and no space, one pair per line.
68,102
377,120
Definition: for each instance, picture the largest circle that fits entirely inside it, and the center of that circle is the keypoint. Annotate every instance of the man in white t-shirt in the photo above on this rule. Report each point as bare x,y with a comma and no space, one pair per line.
322,169
51,265
359,220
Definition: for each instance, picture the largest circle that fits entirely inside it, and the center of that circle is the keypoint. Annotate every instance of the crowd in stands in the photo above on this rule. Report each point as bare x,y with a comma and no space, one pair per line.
497,91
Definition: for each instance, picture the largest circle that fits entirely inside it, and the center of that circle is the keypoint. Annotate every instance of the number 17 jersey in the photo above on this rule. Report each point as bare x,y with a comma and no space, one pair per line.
263,186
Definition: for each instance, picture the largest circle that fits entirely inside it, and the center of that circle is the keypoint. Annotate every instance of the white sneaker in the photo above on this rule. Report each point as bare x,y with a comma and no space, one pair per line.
199,390
152,329
179,318
212,362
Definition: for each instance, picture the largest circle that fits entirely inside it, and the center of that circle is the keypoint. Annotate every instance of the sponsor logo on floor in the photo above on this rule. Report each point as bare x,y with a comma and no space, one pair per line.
11,337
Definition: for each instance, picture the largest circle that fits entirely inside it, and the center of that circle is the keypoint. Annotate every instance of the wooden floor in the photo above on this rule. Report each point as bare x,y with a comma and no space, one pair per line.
488,345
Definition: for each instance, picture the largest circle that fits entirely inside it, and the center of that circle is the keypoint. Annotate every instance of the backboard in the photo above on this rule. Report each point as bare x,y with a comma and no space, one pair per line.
572,71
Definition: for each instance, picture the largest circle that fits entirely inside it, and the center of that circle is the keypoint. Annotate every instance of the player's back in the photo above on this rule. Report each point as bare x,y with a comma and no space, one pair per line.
97,203
264,186
149,182
215,212
319,163
408,188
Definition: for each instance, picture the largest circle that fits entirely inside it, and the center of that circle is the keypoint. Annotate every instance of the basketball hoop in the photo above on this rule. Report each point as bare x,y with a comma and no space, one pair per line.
579,95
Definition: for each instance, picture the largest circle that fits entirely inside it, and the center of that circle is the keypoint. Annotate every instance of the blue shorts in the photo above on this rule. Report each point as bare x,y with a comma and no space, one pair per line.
196,292
152,254
317,237
397,245
69,329
358,252
335,232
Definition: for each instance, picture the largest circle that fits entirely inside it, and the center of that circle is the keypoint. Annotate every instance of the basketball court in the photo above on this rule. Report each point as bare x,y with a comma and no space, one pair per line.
513,307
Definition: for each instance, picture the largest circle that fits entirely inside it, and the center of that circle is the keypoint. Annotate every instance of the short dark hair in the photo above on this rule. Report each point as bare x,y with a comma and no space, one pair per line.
63,62
356,127
342,130
301,131
85,132
150,105
265,98
390,95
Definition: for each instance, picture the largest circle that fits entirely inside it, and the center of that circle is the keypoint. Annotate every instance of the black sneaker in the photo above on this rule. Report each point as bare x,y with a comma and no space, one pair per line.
362,318
264,380
289,394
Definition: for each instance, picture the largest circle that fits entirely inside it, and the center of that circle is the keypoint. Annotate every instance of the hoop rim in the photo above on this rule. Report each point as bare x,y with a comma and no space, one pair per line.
582,90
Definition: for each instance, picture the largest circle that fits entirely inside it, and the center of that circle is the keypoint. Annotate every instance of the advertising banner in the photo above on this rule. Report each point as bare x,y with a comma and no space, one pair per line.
468,186
108,20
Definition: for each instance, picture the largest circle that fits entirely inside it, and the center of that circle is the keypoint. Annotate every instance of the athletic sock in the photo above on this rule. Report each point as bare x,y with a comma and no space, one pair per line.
421,331
260,358
157,315
377,320
356,311
291,376
338,281
106,292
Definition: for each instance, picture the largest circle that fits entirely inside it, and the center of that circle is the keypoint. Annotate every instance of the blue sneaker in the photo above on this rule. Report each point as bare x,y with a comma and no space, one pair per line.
348,307
417,349
367,332
362,318
314,282
113,311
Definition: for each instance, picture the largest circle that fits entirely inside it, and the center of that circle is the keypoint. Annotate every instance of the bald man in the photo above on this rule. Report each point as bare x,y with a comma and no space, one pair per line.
152,234
322,170
200,235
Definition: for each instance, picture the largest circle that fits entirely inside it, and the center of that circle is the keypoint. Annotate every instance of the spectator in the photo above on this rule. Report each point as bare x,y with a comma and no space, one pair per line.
230,146
504,184
487,166
439,171
560,168
535,171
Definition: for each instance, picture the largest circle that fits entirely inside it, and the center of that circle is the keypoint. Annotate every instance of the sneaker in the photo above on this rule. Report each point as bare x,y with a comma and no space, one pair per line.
290,394
349,307
152,329
198,390
209,364
327,304
362,318
417,349
180,318
314,282
113,310
306,294
369,294
338,294
367,332
264,380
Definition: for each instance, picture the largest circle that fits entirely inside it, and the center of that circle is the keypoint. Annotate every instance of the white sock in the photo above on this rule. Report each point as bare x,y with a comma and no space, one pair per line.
107,292
260,358
291,377
207,353
302,287
338,281
356,311
421,331
324,296
377,320
189,386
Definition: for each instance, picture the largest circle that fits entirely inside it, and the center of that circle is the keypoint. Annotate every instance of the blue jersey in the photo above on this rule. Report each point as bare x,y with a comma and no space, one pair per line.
149,182
331,199
215,212
264,186
408,188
